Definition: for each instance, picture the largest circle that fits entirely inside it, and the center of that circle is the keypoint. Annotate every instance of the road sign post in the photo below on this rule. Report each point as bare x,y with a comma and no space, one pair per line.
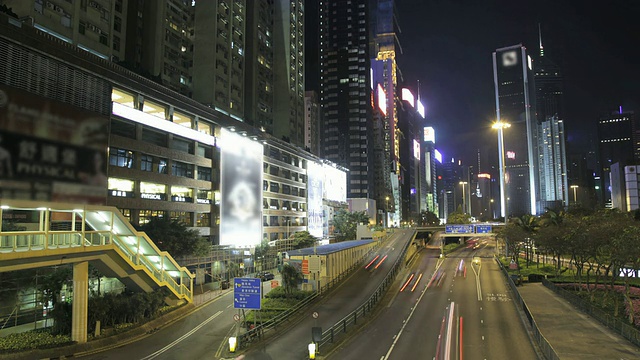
247,293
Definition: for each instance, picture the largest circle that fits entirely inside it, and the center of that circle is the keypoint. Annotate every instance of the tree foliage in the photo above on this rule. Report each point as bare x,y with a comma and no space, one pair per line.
459,217
429,218
174,237
290,278
346,223
303,239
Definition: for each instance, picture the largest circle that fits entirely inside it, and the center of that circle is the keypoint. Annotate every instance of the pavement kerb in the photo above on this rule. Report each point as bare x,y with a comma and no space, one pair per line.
106,343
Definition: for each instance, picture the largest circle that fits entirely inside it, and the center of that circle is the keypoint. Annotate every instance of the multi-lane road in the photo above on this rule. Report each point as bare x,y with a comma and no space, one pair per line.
458,307
204,333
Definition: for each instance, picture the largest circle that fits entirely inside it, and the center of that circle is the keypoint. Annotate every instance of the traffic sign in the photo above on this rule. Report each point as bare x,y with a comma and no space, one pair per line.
315,314
459,229
247,293
236,317
483,229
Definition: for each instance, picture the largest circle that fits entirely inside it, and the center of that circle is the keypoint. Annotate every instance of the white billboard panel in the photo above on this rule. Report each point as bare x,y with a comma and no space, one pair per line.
240,189
420,108
315,178
429,134
407,96
335,183
416,149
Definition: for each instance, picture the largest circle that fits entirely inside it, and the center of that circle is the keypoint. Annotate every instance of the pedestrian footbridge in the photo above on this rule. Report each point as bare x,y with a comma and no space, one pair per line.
38,234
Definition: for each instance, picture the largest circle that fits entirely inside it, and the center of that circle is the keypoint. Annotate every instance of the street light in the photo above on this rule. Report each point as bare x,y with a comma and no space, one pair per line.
501,125
575,188
464,206
386,220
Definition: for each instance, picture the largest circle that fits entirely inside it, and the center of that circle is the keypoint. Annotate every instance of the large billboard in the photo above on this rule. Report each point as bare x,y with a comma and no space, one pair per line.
240,190
334,184
315,177
51,151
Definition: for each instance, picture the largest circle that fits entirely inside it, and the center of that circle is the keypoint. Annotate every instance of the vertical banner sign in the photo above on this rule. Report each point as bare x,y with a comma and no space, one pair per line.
315,178
240,190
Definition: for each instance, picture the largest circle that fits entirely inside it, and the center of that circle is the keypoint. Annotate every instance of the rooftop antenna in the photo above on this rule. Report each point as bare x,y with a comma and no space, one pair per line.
540,38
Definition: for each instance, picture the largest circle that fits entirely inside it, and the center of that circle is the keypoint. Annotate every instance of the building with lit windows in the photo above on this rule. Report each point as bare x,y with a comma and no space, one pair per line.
312,119
289,52
552,165
515,104
618,141
105,135
345,91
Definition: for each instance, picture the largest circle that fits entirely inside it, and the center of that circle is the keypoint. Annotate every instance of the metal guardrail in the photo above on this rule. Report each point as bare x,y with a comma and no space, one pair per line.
258,332
545,347
616,324
340,328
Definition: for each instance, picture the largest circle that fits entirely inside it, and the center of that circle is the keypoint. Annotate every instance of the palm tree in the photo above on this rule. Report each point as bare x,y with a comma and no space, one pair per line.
529,225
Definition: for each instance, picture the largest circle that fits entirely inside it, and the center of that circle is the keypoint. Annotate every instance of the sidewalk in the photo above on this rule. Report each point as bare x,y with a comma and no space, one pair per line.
571,333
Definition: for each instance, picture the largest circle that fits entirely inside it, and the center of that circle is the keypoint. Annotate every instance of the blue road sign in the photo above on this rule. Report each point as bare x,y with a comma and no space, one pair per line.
459,229
247,293
483,229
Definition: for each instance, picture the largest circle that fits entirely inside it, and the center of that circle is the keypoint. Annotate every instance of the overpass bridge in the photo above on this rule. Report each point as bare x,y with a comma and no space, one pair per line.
59,233
463,230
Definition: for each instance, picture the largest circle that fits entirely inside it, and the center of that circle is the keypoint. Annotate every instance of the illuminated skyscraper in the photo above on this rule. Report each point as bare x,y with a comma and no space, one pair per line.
515,104
345,91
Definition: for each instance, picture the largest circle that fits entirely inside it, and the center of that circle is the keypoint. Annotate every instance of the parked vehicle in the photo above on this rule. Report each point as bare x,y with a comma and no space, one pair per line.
265,276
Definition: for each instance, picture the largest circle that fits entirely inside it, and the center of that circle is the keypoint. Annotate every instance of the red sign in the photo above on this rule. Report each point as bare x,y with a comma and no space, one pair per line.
305,267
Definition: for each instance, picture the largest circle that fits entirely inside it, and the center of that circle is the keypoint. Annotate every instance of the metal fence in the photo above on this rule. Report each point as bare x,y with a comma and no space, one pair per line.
545,347
258,332
348,322
630,332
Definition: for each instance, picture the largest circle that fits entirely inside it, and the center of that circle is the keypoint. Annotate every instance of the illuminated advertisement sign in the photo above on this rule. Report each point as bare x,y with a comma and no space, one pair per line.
429,135
382,100
335,183
50,150
437,155
509,58
420,108
416,149
511,155
240,190
407,96
484,176
315,177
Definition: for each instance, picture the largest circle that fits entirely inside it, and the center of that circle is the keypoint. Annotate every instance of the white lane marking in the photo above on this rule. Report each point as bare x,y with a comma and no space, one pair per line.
178,340
397,337
478,287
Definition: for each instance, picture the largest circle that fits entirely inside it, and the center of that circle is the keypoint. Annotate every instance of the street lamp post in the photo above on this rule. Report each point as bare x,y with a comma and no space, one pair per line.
575,188
464,204
501,125
386,220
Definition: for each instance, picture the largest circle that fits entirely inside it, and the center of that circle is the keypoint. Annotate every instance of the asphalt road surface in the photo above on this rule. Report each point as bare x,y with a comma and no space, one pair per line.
204,333
459,309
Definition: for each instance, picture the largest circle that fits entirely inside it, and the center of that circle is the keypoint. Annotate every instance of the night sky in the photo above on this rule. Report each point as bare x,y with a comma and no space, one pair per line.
447,46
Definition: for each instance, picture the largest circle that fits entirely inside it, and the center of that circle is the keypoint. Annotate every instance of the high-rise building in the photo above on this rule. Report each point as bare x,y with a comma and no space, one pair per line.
345,91
617,143
289,121
549,87
98,27
312,122
219,58
384,49
259,87
552,165
515,104
431,157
